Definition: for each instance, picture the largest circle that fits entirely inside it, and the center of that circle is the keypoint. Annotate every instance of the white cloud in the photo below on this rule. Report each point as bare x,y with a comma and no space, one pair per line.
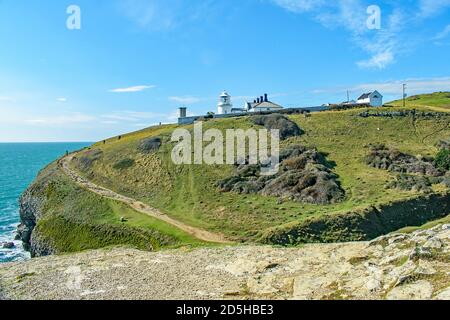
378,61
185,99
73,118
428,8
132,89
382,46
159,15
110,122
61,99
130,116
299,5
394,87
443,34
7,99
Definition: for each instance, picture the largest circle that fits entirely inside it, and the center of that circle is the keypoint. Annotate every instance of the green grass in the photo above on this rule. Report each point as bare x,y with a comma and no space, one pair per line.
188,192
75,219
439,101
426,226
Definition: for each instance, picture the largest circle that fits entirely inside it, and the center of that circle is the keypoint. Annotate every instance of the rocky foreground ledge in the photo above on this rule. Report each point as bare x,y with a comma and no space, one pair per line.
397,266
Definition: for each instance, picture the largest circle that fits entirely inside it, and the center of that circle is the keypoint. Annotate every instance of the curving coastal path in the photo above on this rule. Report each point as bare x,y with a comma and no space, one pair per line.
137,205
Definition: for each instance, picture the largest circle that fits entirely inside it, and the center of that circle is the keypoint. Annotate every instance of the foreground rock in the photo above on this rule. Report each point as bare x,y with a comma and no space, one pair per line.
398,266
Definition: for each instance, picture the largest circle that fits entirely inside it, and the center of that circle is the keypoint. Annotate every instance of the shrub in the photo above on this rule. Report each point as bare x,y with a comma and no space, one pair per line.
287,127
304,176
444,144
124,164
150,145
88,158
411,183
442,160
384,158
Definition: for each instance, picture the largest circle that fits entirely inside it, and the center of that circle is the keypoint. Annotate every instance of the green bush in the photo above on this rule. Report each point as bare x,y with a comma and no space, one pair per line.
287,127
442,160
409,182
304,176
150,145
124,164
87,160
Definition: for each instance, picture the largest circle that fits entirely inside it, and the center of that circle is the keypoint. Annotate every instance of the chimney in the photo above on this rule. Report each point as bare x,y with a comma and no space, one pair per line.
254,101
183,112
262,99
265,97
257,100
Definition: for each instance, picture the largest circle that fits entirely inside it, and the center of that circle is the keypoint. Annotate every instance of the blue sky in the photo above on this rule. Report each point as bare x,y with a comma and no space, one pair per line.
134,62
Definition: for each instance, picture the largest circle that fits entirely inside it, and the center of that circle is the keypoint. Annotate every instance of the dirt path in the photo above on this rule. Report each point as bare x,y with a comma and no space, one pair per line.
139,206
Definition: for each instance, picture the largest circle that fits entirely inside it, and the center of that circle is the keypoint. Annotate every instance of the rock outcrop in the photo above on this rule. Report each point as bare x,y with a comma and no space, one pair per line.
30,212
396,266
31,206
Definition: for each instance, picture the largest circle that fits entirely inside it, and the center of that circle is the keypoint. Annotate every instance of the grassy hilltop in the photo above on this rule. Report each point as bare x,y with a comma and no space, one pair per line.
439,101
189,193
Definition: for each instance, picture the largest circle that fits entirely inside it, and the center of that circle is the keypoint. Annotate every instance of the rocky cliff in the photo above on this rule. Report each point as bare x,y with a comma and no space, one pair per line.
31,205
396,266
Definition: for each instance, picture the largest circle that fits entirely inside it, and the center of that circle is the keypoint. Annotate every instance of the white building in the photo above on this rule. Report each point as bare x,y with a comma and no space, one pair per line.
225,106
374,99
262,104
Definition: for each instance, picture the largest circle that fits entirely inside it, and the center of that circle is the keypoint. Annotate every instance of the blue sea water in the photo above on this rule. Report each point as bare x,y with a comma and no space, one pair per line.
19,166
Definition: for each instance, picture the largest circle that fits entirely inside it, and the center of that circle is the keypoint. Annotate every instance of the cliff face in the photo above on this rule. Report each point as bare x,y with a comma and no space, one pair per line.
31,205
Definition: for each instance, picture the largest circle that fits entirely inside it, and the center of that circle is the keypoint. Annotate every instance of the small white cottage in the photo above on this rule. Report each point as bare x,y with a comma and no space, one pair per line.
374,99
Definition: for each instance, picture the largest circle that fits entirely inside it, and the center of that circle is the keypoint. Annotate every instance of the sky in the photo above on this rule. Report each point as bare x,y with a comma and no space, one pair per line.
123,65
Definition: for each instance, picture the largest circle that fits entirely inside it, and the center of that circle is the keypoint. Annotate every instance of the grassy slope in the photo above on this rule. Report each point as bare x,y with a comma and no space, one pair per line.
438,101
426,226
189,193
75,220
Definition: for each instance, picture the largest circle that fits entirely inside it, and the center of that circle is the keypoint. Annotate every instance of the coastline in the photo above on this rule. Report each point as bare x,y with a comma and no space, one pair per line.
21,163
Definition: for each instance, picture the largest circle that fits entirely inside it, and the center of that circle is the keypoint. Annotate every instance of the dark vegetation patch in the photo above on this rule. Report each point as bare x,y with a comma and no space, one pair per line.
409,182
340,107
444,144
287,127
86,161
361,225
414,174
150,145
404,113
304,176
124,164
382,157
442,160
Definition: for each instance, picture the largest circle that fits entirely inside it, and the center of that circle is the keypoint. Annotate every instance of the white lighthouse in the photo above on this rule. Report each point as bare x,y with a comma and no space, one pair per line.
225,106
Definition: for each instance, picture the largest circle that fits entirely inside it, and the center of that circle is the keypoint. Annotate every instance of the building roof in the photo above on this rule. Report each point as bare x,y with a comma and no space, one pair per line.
365,96
265,105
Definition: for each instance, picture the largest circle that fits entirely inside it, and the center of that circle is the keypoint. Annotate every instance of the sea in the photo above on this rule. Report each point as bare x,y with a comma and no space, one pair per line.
19,165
